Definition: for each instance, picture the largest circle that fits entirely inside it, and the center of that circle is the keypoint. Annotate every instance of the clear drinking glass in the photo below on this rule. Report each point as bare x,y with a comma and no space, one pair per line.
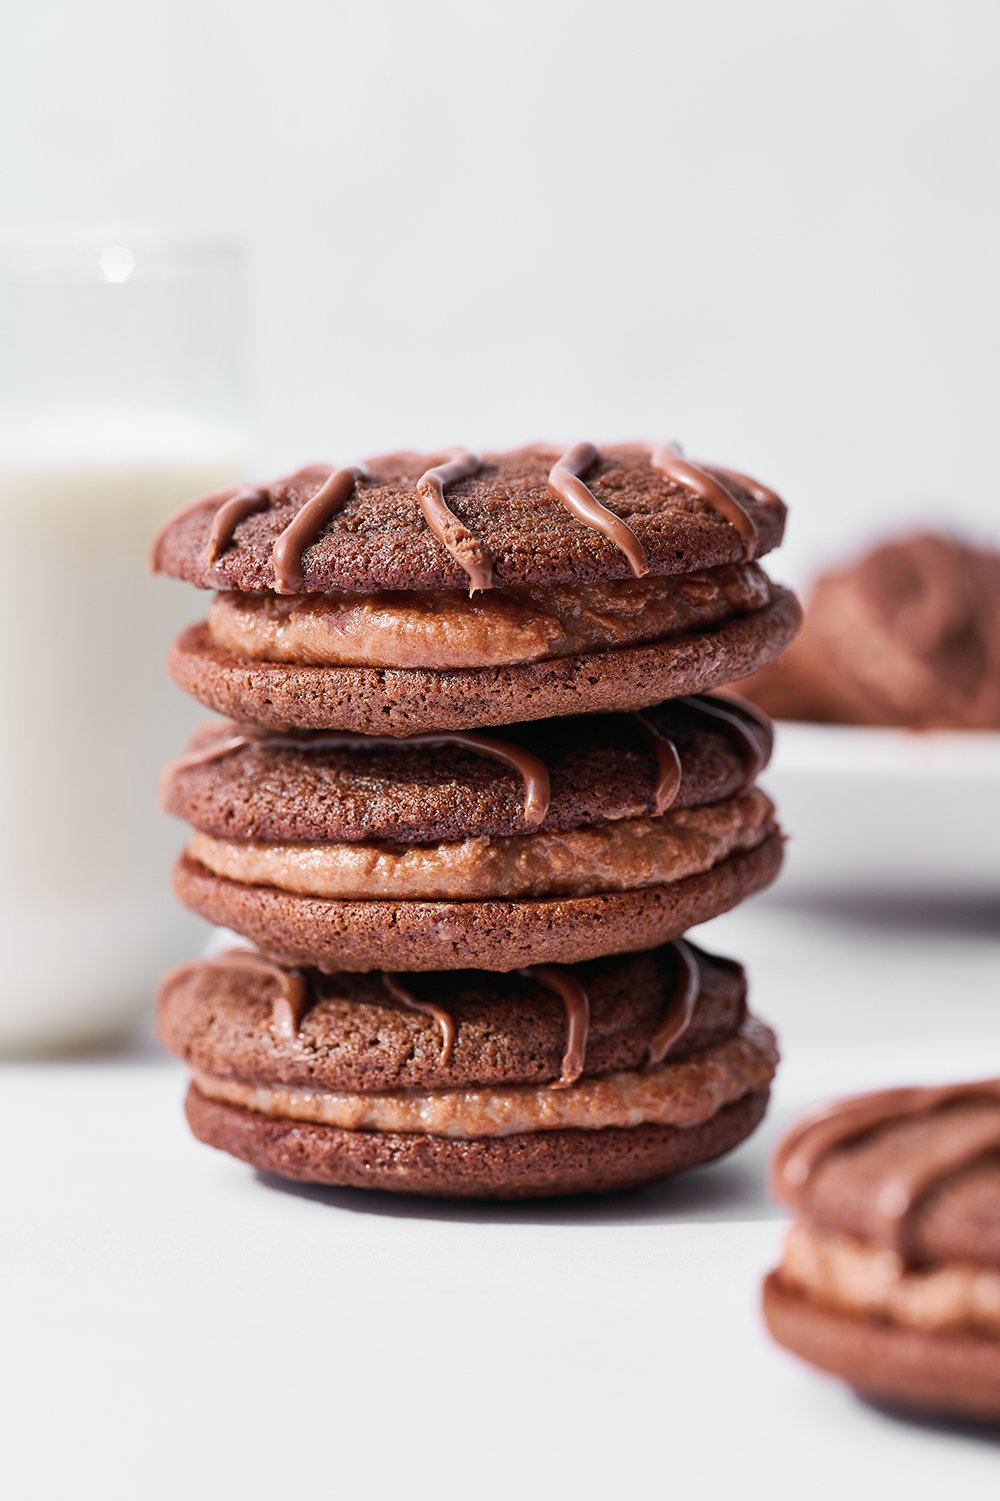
122,396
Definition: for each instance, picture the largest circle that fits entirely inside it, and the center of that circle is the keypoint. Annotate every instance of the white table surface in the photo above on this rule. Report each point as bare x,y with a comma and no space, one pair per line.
173,1325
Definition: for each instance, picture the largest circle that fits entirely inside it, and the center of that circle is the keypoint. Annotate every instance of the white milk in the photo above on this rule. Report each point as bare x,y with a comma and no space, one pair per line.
89,718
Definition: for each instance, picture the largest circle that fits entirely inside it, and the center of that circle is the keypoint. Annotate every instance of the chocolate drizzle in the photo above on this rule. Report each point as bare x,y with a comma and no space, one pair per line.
307,523
564,984
681,1004
191,509
444,1021
751,730
216,750
843,1122
468,552
529,767
668,764
247,500
669,461
291,1002
232,507
565,484
760,493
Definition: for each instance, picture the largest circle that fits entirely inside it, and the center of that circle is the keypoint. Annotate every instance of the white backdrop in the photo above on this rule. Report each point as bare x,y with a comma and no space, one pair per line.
769,230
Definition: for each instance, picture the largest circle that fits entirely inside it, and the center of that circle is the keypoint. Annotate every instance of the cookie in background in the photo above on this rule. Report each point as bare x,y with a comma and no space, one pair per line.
889,754
890,1277
906,635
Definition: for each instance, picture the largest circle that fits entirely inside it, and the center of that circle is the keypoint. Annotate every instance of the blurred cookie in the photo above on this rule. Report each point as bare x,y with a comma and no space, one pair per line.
890,1277
909,636
551,1081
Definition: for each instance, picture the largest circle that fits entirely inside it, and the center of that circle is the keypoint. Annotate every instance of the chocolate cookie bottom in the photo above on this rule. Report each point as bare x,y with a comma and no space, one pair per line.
411,701
947,1374
537,1164
317,932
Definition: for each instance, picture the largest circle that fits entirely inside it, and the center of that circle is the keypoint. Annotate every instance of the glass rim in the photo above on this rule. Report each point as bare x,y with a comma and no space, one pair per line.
116,252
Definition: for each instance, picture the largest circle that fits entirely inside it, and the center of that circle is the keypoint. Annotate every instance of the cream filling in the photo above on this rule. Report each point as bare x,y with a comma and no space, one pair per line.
620,856
674,1094
495,627
873,1282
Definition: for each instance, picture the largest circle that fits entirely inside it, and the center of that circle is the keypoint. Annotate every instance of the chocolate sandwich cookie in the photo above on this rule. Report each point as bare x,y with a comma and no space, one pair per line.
550,842
425,592
470,1084
890,1277
908,635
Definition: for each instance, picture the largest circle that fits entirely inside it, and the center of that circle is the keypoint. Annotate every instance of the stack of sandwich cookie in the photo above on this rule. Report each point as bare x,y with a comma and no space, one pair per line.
890,1277
440,815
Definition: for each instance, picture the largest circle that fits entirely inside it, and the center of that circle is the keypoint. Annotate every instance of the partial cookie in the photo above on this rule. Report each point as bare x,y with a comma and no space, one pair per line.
553,1081
891,1272
416,700
950,1374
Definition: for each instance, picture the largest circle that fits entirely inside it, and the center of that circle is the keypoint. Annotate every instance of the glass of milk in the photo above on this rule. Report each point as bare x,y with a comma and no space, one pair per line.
122,397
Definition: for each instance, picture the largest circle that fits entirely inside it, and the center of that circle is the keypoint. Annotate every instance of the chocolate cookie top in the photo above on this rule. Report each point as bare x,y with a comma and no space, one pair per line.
915,1170
239,1016
558,774
440,521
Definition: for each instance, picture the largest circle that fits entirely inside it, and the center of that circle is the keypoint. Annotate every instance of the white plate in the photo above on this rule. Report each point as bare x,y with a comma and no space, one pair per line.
892,812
